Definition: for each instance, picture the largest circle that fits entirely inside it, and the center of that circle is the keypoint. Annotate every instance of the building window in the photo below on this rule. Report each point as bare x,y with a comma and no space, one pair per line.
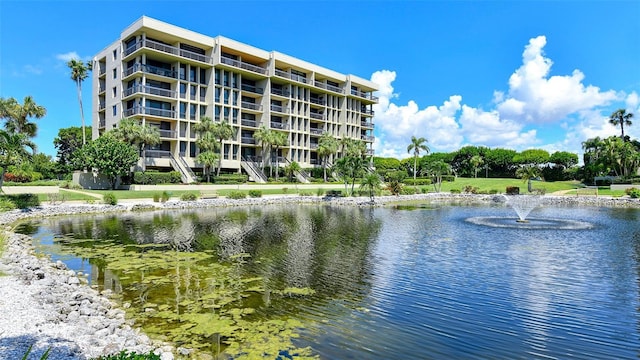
115,54
115,91
115,73
115,110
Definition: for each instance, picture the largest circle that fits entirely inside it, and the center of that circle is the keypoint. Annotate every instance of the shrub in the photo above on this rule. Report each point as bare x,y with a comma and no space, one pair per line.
55,198
493,191
334,193
469,189
23,201
455,191
155,177
539,191
255,193
285,190
319,191
156,197
189,196
304,193
237,195
110,199
394,186
634,193
230,179
408,190
6,204
513,190
424,190
418,181
124,355
165,196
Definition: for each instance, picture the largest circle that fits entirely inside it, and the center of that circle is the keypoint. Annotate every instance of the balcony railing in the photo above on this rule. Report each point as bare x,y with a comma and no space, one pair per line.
148,69
313,146
368,124
367,138
369,151
142,110
279,125
251,106
168,134
329,87
101,106
253,89
103,70
279,108
280,92
247,140
150,44
367,112
247,122
317,101
293,77
243,65
102,124
364,95
157,154
149,90
318,116
102,88
316,131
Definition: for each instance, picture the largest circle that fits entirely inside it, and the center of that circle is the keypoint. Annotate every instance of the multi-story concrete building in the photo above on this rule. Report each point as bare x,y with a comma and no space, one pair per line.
170,77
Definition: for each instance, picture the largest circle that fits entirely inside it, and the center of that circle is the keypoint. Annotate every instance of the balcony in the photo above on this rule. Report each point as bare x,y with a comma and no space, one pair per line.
251,106
367,138
279,125
146,89
102,71
293,77
102,124
317,101
367,124
101,106
141,110
364,95
280,92
329,87
313,146
317,116
369,151
252,89
102,88
243,65
154,45
248,122
316,131
367,112
168,134
279,108
247,140
148,69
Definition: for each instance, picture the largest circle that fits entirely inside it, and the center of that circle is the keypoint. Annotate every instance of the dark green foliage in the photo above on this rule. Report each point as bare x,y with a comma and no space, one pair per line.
110,156
165,196
334,193
237,195
455,191
231,179
21,201
125,355
189,197
110,199
255,193
513,190
634,193
417,181
68,141
386,164
154,177
407,190
532,157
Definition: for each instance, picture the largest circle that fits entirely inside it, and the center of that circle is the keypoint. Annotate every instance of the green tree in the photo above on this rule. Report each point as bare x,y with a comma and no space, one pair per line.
264,137
109,156
13,150
17,115
278,140
528,173
130,130
476,161
417,145
67,143
45,165
437,169
291,169
532,157
79,72
221,131
349,168
371,183
621,117
327,146
208,159
564,159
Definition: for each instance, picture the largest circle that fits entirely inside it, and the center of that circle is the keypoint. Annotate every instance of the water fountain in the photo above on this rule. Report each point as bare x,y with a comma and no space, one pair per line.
523,205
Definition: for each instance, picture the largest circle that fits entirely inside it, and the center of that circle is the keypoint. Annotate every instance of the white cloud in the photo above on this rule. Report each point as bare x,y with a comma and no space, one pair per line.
487,129
68,56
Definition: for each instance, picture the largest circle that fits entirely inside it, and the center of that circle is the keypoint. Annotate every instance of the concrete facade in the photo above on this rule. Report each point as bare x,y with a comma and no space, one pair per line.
170,77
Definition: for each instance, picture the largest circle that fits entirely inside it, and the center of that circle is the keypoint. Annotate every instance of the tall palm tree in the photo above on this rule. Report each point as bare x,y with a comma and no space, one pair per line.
17,115
208,159
222,131
417,144
279,139
528,173
437,169
371,183
79,72
621,117
327,146
13,150
264,136
476,161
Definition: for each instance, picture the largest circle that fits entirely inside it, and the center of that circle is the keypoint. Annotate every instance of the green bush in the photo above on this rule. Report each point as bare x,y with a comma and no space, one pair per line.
110,199
237,195
6,204
634,193
407,190
319,192
304,193
22,201
334,193
165,196
417,181
285,190
493,191
255,193
124,355
189,196
156,197
154,177
448,178
455,191
230,179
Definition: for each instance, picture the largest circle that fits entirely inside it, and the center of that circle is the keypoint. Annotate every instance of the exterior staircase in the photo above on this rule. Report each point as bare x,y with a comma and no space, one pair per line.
254,171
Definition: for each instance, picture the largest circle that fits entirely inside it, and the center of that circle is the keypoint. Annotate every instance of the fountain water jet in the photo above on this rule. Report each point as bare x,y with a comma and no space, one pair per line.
523,205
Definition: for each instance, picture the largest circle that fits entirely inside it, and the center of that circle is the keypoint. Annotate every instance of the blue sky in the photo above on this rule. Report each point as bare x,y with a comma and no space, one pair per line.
511,74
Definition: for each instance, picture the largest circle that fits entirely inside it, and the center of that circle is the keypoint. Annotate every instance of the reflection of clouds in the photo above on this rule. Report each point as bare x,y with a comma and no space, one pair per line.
300,253
231,236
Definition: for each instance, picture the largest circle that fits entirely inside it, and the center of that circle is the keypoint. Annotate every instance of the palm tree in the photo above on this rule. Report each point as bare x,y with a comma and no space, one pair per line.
528,173
13,150
79,72
416,145
208,159
130,131
279,139
327,146
17,116
437,169
222,131
291,169
476,161
371,183
264,135
621,117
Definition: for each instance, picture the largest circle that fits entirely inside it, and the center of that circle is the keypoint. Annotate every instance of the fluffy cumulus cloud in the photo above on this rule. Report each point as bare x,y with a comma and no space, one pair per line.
68,56
534,98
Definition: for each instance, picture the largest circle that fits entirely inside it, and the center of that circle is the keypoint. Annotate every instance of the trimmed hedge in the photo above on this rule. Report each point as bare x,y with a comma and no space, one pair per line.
417,182
237,195
155,178
255,193
230,179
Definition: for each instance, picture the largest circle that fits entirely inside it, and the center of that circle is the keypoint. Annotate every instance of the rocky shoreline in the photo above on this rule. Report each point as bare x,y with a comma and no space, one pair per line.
46,305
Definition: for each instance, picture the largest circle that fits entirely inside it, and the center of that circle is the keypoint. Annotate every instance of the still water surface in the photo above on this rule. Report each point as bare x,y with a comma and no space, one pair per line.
384,283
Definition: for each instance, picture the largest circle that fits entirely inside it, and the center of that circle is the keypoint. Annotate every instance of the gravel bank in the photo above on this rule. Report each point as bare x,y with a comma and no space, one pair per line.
46,305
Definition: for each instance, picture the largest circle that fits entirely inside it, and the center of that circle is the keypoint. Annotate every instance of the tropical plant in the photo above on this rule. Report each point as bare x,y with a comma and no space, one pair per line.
79,72
327,146
621,117
528,173
110,199
208,159
349,168
476,162
278,140
264,136
68,141
108,156
371,183
13,150
437,169
130,130
17,116
222,131
291,169
417,145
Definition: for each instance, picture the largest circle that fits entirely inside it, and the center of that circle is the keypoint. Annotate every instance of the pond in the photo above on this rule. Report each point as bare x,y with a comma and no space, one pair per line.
351,283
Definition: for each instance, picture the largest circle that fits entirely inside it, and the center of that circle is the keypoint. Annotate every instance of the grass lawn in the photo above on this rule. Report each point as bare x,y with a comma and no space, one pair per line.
487,184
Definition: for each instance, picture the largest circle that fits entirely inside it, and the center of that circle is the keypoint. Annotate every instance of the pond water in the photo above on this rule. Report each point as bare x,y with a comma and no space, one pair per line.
412,282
